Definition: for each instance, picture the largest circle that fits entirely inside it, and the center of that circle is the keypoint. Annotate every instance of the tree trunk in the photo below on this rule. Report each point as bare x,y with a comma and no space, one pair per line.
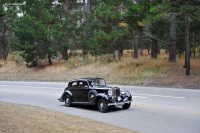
141,49
194,46
86,9
154,49
1,50
187,50
159,47
119,54
136,40
67,6
5,54
8,42
172,43
148,50
49,58
65,53
120,50
114,56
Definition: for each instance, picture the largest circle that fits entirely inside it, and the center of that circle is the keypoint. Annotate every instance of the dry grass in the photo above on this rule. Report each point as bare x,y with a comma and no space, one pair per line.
28,119
127,71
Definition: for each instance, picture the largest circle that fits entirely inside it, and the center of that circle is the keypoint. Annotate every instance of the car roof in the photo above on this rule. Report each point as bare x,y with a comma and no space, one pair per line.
86,79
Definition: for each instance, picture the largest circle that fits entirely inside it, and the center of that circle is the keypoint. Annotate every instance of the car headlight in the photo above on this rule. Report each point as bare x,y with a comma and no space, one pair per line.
122,91
110,92
119,98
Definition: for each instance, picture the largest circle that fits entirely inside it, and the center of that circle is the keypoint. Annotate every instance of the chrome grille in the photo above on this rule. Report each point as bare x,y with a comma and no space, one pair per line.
116,93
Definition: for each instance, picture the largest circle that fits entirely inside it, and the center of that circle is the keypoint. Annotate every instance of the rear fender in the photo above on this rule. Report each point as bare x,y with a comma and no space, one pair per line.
67,93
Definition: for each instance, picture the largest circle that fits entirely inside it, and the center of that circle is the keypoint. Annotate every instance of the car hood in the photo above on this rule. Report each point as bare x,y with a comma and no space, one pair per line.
103,87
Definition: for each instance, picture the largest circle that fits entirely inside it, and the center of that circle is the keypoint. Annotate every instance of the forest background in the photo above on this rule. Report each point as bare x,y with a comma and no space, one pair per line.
133,42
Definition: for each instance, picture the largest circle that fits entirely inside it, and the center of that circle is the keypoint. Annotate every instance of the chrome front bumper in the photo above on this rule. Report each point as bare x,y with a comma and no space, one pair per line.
118,103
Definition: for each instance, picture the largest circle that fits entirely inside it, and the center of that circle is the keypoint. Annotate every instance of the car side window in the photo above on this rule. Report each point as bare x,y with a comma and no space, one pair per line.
74,84
83,84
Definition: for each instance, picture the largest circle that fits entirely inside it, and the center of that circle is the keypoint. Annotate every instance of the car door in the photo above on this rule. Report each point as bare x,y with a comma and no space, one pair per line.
79,91
74,90
84,89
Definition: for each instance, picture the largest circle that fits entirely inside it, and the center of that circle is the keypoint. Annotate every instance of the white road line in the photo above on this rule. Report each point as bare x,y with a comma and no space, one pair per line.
29,86
138,97
162,96
33,93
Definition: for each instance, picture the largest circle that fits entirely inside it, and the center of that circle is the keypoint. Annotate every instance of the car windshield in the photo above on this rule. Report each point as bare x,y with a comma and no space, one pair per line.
99,82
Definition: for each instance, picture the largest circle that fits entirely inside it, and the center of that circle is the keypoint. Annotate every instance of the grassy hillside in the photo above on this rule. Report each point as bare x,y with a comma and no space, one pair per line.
127,71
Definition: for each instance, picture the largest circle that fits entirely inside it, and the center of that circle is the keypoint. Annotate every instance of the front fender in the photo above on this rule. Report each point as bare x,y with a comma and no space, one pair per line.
102,95
128,94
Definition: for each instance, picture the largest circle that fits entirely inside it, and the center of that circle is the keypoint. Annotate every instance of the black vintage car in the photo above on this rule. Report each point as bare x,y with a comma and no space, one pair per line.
94,91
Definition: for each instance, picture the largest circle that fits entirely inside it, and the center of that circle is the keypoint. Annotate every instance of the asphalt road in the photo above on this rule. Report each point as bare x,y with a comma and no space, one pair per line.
153,110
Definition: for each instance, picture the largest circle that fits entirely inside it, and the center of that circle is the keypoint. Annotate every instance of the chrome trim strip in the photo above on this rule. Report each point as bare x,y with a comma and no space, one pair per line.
80,102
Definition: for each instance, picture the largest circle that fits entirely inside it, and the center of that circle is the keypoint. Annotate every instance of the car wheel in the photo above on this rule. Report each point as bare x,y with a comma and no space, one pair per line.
92,94
102,105
68,100
126,105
